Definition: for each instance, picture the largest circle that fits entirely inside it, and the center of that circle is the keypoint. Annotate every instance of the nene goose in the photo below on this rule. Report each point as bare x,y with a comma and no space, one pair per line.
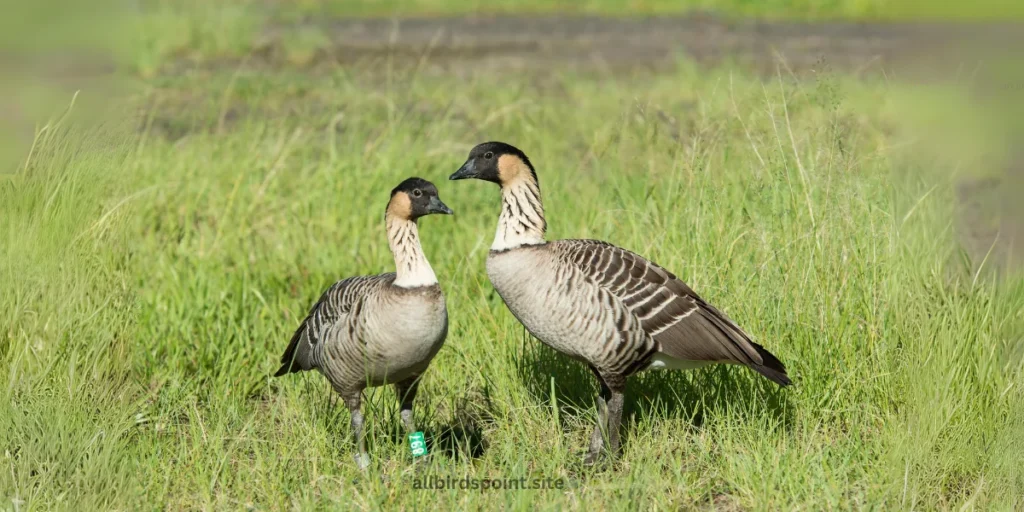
605,306
382,329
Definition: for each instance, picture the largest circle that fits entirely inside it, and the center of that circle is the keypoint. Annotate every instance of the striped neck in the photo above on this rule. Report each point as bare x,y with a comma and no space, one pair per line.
411,266
522,215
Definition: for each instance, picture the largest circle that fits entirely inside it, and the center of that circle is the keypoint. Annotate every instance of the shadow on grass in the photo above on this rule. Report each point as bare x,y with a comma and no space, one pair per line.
459,433
457,436
457,441
688,395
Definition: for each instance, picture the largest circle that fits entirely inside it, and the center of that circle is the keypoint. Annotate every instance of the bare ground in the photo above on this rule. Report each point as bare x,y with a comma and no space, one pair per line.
623,44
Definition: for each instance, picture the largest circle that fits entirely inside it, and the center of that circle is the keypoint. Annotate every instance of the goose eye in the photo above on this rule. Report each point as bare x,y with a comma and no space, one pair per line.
417,192
488,155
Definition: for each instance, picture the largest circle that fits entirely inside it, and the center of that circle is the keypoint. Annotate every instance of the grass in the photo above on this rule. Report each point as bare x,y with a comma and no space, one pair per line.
154,269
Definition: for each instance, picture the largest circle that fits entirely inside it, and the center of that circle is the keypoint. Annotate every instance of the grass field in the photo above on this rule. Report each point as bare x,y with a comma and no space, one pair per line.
155,266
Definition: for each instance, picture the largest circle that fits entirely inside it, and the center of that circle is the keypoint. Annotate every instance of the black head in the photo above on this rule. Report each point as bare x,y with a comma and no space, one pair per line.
414,198
496,162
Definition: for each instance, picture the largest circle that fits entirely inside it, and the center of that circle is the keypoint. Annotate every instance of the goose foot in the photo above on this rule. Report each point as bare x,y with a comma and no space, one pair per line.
362,461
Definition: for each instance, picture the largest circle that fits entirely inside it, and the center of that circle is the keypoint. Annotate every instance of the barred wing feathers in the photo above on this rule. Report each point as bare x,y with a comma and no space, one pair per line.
680,321
342,299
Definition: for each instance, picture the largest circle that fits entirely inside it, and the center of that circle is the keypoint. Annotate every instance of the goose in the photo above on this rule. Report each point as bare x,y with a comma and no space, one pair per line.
369,331
605,306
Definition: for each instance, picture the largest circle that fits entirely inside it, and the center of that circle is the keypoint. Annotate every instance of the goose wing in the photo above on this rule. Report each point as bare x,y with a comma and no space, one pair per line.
340,300
680,321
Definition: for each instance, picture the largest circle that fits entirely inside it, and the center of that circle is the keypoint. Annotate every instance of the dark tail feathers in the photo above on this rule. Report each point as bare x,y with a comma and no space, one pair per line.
296,356
771,367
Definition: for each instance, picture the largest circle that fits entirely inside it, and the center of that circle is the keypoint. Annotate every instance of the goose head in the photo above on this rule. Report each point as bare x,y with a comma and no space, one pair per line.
496,162
414,198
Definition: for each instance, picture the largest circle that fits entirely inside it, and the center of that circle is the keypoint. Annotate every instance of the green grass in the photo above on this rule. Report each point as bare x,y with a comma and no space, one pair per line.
154,270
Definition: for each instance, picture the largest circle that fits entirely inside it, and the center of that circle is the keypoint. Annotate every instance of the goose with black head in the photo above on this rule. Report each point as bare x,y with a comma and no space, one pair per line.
610,308
379,329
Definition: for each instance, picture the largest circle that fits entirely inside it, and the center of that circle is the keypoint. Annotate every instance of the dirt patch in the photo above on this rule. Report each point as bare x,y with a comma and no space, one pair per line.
622,44
990,219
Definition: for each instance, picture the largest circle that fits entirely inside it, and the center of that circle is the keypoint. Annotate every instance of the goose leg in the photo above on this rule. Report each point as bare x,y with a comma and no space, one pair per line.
406,391
615,419
353,401
597,438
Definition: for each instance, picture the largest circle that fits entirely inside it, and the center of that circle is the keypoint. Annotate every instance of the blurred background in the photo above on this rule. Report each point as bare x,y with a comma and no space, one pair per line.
180,179
124,50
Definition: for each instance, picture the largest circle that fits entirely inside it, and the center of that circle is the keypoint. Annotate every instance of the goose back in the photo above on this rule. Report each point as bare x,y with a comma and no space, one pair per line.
685,327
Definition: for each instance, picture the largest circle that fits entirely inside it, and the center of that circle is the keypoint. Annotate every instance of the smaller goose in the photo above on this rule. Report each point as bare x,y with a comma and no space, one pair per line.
382,329
605,306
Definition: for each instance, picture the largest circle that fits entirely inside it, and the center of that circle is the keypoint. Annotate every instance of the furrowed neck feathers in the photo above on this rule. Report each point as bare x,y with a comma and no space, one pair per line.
522,214
411,266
